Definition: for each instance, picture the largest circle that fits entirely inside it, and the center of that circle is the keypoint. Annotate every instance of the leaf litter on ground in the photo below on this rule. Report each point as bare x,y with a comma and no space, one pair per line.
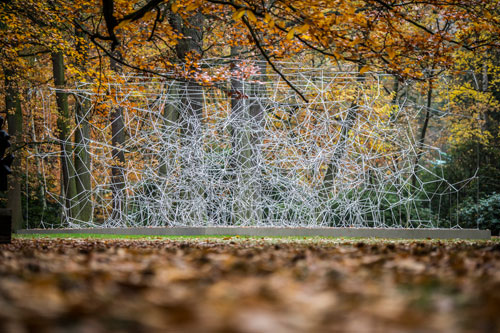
238,284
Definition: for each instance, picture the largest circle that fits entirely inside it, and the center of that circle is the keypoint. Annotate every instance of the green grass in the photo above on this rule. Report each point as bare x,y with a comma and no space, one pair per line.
111,236
173,237
233,238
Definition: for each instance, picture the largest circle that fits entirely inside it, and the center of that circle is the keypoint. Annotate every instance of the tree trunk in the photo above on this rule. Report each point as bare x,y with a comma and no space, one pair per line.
167,159
191,119
488,123
340,149
246,123
118,155
170,121
338,154
192,152
39,168
82,156
15,129
63,123
393,116
191,92
423,132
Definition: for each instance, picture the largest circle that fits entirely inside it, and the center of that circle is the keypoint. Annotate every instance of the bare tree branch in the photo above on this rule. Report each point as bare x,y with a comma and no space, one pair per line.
266,56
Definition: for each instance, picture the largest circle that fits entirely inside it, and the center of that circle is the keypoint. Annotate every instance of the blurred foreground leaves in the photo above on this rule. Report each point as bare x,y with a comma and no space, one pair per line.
248,285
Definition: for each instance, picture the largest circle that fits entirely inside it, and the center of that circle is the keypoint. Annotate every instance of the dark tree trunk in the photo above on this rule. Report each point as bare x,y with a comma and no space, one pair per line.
393,116
15,129
423,133
246,123
63,124
339,152
118,155
82,156
191,113
327,186
341,147
170,123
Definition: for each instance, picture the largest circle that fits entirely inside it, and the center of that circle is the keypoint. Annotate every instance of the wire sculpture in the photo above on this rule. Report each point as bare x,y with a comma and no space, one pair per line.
246,150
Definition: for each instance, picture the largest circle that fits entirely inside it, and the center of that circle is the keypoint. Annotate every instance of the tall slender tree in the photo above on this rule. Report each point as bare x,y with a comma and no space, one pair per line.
82,136
118,155
15,126
68,186
246,124
189,48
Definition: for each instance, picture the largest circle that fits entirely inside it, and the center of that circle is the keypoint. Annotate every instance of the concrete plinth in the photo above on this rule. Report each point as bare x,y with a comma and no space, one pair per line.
274,231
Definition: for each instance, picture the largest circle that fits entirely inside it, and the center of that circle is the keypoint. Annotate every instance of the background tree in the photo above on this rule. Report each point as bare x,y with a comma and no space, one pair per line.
152,38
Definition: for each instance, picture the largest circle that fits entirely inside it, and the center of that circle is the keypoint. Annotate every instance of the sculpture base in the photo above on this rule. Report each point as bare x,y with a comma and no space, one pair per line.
278,232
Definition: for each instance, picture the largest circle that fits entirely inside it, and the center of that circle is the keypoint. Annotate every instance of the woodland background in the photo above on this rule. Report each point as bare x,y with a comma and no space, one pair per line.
63,43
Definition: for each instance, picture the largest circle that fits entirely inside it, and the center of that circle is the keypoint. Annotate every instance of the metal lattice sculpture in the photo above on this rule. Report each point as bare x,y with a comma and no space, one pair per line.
249,151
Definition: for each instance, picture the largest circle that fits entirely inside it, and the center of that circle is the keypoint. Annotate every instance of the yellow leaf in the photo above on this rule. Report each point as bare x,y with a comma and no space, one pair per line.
303,28
148,15
192,6
175,7
290,34
122,23
391,53
238,14
269,20
251,16
364,69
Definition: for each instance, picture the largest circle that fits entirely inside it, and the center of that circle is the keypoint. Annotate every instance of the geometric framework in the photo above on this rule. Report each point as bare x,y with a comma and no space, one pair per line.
248,151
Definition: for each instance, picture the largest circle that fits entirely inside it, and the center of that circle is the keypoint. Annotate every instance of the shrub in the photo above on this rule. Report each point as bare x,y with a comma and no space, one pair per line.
485,214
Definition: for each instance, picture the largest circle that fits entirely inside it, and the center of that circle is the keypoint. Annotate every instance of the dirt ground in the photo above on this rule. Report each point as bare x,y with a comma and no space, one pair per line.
249,285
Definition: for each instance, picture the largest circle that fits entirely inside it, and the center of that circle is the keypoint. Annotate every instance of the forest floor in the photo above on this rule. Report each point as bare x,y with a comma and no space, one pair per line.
239,284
